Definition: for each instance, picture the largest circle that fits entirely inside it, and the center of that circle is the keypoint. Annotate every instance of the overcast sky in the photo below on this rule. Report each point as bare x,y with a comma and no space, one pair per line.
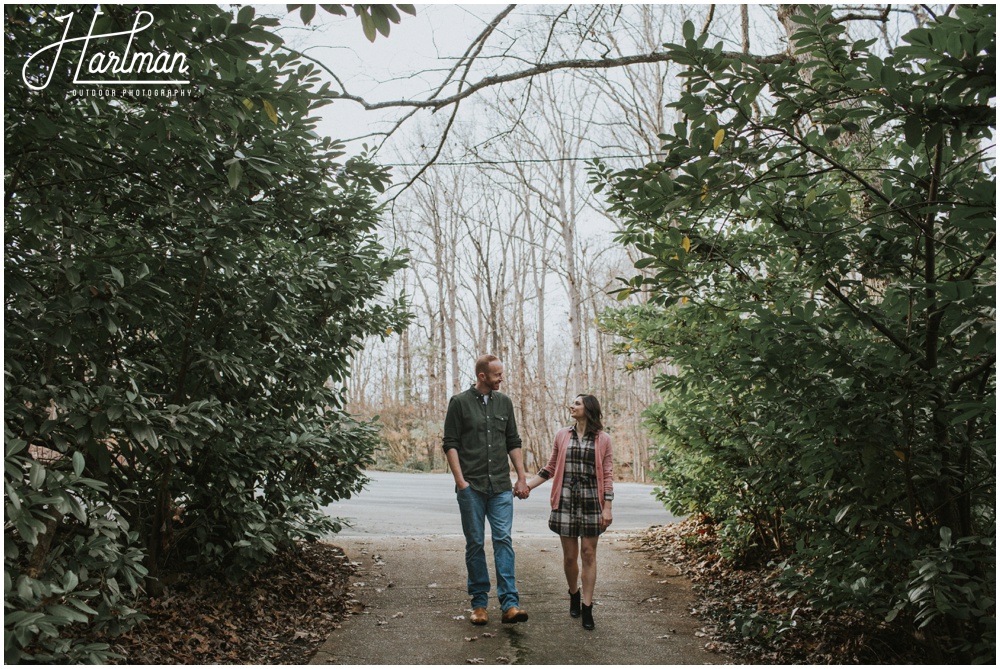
404,65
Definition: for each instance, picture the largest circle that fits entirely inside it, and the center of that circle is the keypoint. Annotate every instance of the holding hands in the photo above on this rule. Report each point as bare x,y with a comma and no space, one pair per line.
521,489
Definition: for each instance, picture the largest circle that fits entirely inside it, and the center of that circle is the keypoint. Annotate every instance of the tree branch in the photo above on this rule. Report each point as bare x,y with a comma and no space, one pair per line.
967,274
882,16
437,154
934,315
984,366
469,57
745,28
708,19
831,287
477,44
573,64
870,188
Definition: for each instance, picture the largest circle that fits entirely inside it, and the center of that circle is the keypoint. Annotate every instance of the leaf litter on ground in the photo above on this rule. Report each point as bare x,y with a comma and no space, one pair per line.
726,592
280,614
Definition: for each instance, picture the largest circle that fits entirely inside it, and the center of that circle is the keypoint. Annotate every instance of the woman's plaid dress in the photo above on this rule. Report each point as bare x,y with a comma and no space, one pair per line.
579,512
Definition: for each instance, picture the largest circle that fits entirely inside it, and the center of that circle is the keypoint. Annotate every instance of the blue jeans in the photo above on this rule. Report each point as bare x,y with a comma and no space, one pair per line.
476,507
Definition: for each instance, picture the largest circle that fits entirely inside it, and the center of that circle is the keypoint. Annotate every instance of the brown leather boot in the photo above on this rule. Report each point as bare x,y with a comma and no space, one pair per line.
514,615
479,616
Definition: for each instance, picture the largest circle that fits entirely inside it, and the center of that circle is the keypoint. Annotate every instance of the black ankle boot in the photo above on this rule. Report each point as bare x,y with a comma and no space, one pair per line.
588,616
574,604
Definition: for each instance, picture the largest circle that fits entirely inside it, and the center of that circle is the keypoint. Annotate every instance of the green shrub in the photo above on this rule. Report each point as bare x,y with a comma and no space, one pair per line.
69,558
186,280
818,257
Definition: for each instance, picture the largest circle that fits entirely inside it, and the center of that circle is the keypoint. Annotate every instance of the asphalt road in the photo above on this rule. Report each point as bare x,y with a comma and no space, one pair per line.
417,505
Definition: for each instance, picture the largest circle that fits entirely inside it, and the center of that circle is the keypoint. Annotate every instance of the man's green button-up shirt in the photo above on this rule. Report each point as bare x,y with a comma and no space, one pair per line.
483,434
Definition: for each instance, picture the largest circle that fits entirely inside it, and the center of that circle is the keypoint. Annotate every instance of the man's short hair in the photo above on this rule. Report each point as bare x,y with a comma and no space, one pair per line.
483,363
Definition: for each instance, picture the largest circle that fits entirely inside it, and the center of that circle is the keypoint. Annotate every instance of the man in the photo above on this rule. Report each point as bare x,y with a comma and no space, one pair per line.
480,434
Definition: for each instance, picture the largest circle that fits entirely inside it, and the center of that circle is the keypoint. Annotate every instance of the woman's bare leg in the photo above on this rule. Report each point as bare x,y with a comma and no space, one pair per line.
588,554
571,553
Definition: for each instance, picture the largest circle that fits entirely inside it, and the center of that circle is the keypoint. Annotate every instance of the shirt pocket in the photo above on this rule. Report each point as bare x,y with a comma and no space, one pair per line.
500,425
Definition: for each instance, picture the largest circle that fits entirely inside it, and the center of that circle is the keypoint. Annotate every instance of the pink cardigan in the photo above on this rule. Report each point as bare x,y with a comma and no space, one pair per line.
602,460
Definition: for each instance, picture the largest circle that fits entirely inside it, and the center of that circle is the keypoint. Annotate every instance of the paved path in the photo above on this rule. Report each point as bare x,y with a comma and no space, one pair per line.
416,609
413,609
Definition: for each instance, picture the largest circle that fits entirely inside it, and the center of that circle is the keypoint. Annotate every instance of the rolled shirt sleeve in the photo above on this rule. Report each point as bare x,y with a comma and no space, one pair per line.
513,438
453,425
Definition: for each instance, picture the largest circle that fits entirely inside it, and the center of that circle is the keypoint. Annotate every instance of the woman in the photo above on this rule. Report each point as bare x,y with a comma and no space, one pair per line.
582,490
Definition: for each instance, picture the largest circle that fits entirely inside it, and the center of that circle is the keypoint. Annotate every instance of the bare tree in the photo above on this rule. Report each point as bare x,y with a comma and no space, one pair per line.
498,214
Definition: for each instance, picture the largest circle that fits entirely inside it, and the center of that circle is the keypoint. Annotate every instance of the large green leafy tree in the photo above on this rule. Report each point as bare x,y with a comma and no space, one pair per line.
186,278
820,264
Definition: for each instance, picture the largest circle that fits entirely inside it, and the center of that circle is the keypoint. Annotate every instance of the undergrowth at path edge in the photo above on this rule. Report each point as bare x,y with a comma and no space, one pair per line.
750,621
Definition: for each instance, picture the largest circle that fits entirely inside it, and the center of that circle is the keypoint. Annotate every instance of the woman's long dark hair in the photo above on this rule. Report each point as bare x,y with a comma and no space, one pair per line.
593,409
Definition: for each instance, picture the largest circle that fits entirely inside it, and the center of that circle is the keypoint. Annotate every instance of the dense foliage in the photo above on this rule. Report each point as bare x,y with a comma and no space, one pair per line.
186,277
819,260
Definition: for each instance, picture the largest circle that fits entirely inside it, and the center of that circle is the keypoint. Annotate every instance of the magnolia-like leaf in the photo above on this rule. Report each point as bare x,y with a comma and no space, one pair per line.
913,132
308,12
390,13
719,136
688,30
248,104
245,15
271,112
61,337
367,25
235,174
380,20
686,243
